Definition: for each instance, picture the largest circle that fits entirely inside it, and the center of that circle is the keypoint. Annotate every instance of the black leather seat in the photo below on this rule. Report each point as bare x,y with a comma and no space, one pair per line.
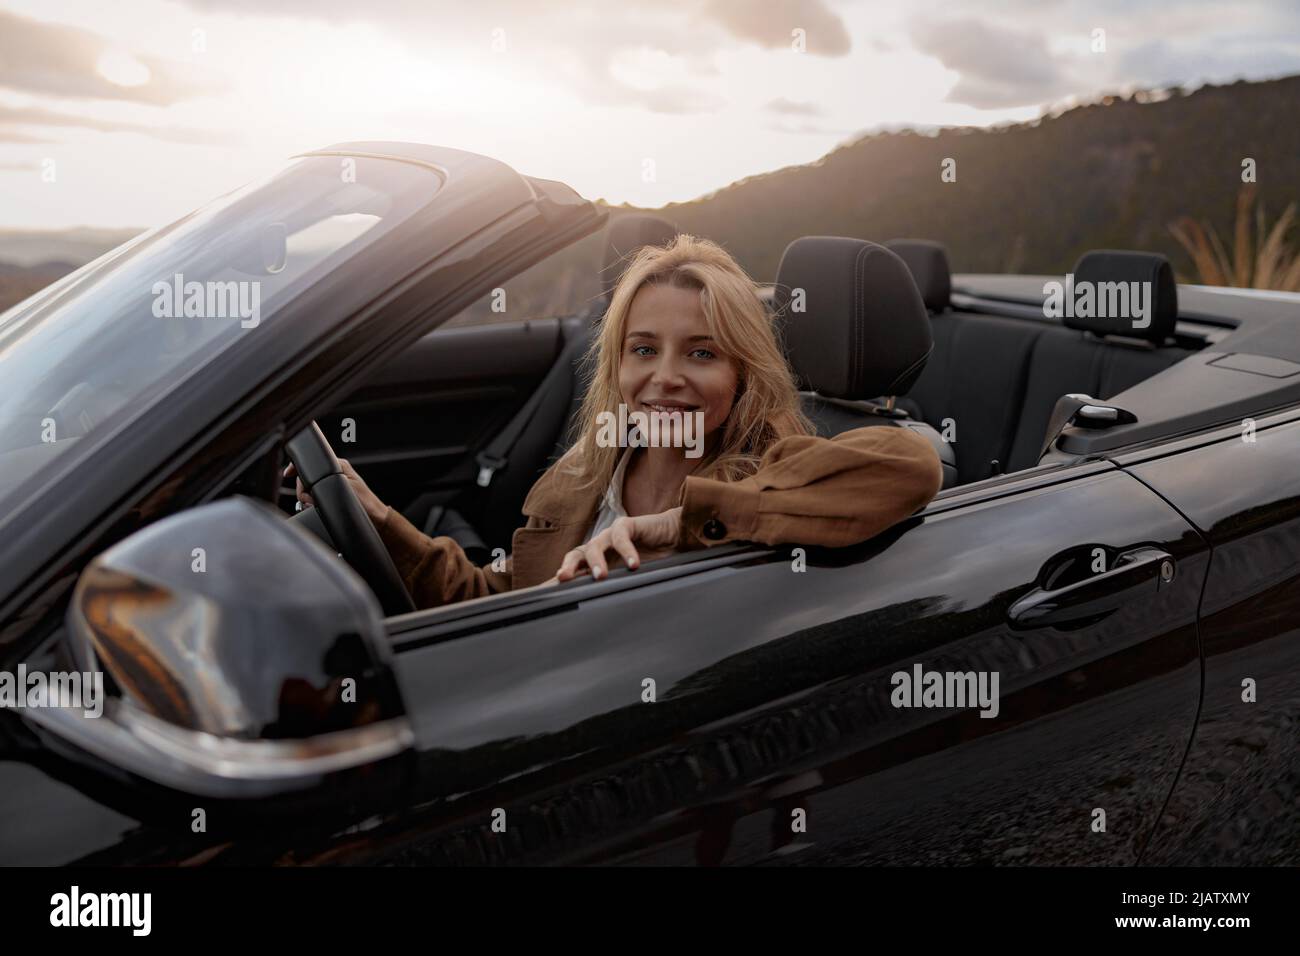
993,381
1098,356
972,390
863,333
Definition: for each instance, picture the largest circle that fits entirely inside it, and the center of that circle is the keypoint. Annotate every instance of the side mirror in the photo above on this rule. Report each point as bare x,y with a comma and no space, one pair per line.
241,656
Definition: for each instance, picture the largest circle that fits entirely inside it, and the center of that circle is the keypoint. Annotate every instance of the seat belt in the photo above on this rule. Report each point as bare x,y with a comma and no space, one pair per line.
496,455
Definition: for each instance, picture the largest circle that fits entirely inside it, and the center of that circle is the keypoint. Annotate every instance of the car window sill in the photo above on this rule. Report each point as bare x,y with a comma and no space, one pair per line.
422,627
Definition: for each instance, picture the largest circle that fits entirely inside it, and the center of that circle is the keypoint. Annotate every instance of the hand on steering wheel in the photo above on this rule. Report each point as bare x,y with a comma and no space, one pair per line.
375,508
349,523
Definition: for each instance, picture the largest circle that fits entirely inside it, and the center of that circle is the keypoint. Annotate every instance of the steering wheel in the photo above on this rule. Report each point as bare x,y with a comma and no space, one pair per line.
349,527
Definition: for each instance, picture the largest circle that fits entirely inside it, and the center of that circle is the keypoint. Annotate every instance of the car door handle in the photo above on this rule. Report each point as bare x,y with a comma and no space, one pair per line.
1136,573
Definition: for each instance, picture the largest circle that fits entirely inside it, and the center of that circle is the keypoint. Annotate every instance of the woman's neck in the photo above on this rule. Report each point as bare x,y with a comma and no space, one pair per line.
654,475
653,478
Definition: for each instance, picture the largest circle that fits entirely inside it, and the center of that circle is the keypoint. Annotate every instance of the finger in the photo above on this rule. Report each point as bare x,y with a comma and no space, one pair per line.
566,567
595,554
622,542
290,470
569,566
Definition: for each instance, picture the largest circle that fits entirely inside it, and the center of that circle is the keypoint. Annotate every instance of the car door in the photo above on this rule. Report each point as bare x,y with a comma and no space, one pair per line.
1235,802
743,705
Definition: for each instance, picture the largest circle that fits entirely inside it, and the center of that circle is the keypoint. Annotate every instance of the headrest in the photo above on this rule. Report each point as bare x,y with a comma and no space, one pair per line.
626,235
928,262
852,318
1113,309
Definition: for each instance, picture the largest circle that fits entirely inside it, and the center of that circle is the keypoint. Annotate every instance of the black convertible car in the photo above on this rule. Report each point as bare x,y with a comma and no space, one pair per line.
1116,552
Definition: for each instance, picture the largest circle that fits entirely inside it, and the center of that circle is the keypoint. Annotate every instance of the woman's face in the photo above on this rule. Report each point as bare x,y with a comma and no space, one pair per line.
670,362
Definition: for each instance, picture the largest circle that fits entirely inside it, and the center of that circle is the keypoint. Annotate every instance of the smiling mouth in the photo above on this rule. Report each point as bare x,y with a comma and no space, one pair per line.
667,407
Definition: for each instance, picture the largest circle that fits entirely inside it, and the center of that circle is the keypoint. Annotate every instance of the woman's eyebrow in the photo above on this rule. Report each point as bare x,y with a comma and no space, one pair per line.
652,335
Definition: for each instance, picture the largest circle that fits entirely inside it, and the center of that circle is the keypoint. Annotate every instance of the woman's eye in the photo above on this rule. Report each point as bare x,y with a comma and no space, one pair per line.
646,350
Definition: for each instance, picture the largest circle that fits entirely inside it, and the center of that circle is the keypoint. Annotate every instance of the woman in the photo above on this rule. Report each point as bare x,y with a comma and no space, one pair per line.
685,340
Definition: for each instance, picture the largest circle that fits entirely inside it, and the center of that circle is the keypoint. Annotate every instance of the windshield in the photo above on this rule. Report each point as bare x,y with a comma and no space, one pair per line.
85,354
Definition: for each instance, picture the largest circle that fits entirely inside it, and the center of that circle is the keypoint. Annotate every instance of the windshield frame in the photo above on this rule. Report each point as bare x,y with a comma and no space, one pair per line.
72,307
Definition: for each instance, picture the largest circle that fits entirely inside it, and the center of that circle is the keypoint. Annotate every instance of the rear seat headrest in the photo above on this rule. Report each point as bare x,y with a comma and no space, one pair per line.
626,235
1109,266
928,262
863,331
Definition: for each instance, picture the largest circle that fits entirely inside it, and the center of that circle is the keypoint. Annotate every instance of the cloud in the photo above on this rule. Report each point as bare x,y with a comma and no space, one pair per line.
666,99
17,136
1033,52
770,24
56,60
997,66
767,23
12,116
793,108
1162,62
807,129
586,36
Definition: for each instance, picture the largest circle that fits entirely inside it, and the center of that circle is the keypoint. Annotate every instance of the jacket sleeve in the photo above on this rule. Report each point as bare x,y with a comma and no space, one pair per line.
436,571
832,492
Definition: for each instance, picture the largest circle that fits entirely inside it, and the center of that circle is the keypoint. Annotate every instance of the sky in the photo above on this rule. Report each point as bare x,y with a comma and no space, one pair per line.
134,112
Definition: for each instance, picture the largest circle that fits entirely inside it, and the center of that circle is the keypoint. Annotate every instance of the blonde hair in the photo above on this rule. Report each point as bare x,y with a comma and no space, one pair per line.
766,405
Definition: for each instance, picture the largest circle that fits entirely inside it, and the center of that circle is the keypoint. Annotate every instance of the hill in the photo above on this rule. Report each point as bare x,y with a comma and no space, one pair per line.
1030,197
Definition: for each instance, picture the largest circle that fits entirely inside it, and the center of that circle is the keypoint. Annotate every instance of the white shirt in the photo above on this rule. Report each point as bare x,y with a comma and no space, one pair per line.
611,509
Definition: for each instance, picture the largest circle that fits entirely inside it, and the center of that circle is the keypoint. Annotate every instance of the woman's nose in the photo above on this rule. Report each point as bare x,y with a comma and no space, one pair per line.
667,373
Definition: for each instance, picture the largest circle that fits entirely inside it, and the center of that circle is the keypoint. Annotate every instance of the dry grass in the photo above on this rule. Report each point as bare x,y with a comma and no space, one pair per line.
1261,258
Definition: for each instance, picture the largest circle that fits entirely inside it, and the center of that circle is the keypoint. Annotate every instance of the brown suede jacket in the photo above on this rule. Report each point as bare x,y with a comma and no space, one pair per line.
808,490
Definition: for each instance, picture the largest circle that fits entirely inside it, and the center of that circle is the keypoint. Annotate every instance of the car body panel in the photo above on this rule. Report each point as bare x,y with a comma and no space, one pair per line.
774,695
1235,803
